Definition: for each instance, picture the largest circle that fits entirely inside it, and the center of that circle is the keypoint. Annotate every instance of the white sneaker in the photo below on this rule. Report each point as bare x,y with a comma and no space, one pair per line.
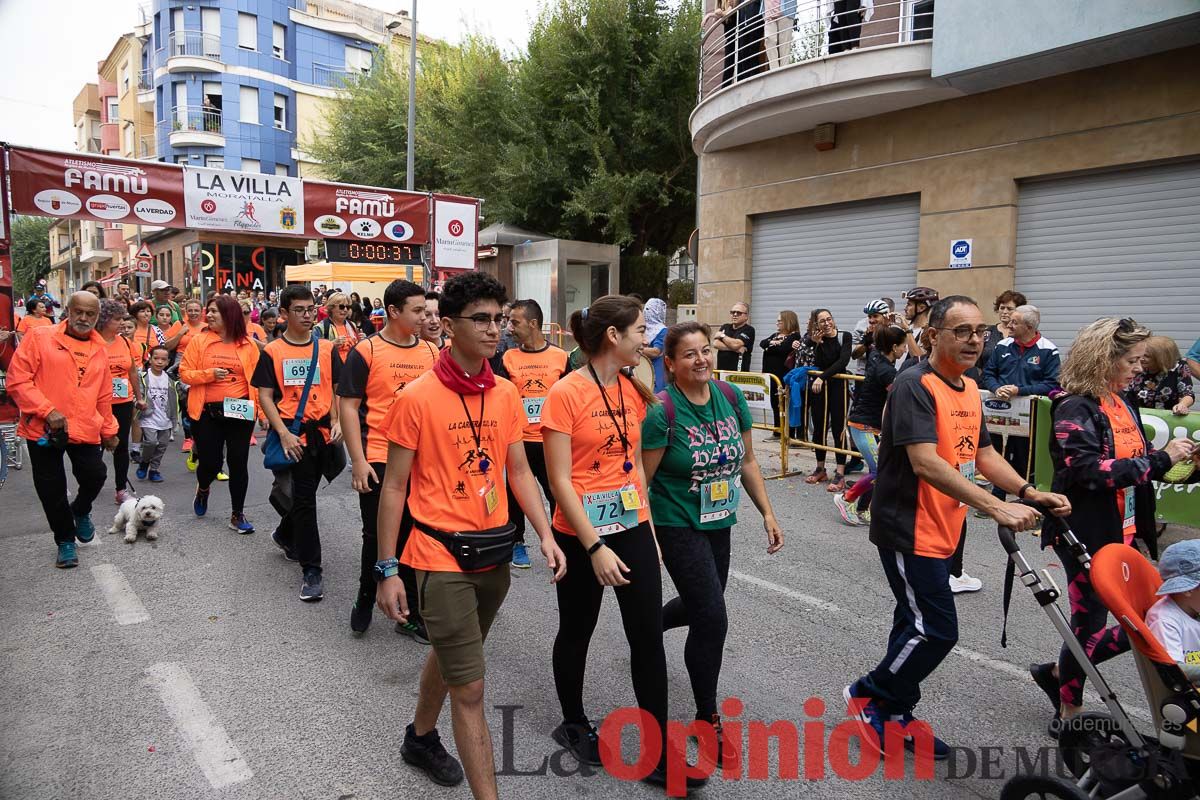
847,510
965,583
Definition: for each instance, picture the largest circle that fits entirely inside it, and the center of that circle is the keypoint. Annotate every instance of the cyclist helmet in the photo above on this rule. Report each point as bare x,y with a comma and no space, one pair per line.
922,294
876,307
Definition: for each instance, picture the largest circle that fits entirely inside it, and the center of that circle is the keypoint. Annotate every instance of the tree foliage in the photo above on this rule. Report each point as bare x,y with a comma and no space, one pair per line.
30,250
583,136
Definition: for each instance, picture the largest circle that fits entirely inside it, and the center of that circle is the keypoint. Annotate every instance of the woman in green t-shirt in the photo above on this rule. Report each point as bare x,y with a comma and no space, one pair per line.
698,457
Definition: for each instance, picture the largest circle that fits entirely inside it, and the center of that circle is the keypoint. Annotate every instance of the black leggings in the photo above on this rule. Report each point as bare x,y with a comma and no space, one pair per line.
124,414
217,438
537,465
1089,623
698,562
832,394
579,598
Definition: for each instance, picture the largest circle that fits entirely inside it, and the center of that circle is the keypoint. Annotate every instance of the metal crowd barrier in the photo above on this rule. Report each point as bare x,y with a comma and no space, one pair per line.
756,386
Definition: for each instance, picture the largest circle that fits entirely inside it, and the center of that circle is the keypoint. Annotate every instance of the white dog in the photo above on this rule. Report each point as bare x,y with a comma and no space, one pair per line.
138,515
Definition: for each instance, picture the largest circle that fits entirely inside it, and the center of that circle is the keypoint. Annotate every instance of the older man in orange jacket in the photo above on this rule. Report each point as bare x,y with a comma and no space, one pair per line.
60,380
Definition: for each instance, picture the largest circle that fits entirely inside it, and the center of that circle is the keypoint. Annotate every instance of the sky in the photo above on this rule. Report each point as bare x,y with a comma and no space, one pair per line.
50,48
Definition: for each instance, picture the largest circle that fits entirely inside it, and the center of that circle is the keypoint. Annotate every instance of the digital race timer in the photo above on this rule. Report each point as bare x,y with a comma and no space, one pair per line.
350,251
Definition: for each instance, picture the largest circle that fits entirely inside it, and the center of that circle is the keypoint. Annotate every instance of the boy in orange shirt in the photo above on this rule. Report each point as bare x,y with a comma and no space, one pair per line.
453,432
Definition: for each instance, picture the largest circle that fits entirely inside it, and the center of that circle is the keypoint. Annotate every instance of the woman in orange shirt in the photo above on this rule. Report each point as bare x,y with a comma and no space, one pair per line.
337,327
255,331
126,388
146,334
218,365
591,427
35,317
193,323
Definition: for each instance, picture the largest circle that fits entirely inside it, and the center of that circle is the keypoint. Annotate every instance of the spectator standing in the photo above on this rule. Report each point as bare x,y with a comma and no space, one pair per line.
1023,364
877,313
918,301
1005,304
1193,358
656,336
780,21
827,394
1166,379
777,349
734,343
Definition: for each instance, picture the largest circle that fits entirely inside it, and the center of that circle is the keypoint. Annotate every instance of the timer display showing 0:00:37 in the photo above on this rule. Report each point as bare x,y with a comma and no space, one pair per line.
372,252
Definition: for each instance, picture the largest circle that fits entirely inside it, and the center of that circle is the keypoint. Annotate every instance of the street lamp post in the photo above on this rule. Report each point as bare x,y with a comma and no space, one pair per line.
412,95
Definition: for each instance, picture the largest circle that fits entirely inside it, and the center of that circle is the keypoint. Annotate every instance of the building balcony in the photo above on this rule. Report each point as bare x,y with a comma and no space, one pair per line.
194,51
194,126
760,79
146,87
147,146
110,137
92,249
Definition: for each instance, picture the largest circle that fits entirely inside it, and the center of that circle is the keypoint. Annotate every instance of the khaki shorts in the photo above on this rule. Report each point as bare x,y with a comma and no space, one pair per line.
458,609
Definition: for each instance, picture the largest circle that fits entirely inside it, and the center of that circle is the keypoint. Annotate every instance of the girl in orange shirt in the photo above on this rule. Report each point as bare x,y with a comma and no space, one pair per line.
123,362
145,333
591,427
218,365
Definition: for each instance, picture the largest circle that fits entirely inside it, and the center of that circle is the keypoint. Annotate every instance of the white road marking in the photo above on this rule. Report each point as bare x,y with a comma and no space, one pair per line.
215,754
119,595
983,660
806,599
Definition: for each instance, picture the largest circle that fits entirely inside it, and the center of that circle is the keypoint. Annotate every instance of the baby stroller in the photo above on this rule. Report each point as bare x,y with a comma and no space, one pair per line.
1107,756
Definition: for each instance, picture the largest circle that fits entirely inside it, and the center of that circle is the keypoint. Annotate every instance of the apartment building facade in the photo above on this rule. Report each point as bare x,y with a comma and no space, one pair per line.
855,150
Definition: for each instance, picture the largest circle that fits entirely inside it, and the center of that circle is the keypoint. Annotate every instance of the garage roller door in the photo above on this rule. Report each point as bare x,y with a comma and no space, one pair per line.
836,257
1119,244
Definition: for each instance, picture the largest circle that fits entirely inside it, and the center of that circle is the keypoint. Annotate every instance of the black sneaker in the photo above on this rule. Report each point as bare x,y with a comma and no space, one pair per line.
311,589
1043,676
288,552
413,629
426,753
659,778
581,739
360,614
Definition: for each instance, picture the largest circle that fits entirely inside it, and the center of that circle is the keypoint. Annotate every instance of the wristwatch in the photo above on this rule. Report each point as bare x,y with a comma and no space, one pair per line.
386,569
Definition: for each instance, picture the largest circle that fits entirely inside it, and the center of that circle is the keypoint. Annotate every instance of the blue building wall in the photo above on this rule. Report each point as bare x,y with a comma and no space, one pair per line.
311,56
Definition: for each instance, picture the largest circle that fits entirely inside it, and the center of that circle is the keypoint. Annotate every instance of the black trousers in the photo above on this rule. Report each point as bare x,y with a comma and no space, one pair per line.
1016,453
845,25
298,523
50,481
221,441
579,598
698,562
832,394
368,506
536,456
124,414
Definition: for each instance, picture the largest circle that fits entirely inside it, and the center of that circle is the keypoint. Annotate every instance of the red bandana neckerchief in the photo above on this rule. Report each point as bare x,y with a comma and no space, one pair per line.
452,376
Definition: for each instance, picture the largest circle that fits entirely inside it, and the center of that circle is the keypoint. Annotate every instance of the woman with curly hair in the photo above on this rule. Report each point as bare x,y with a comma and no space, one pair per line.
1106,467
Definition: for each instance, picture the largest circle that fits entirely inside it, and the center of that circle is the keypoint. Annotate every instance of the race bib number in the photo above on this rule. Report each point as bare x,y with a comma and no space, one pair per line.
607,512
120,388
239,409
533,408
1129,523
718,500
967,470
295,371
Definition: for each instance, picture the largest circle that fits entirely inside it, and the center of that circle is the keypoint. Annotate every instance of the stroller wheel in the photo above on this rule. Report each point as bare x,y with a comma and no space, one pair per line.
1083,734
1040,787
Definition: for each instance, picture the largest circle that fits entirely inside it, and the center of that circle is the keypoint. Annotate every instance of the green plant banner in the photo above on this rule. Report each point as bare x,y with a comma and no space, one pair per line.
1177,502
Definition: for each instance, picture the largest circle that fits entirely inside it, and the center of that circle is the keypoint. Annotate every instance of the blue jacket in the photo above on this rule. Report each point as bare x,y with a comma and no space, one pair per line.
1034,371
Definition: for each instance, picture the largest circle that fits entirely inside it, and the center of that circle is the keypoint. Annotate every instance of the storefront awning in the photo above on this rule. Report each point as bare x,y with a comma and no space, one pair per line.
326,272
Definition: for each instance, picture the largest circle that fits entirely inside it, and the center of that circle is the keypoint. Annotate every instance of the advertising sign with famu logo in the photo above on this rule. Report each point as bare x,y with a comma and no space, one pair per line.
455,232
336,211
248,202
86,186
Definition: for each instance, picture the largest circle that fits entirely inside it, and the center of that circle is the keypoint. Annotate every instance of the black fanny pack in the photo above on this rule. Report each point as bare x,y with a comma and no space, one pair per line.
475,550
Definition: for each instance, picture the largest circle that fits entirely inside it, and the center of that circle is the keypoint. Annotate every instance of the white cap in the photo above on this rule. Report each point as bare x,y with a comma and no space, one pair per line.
160,285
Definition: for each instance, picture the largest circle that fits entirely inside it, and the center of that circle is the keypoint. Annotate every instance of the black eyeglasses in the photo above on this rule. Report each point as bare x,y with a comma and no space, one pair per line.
963,333
339,305
483,322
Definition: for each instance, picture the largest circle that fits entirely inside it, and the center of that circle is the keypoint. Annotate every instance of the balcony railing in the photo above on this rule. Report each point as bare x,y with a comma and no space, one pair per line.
194,43
145,80
738,41
205,119
330,77
147,146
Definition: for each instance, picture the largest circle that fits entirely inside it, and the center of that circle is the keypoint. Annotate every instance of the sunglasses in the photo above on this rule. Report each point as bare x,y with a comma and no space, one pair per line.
339,305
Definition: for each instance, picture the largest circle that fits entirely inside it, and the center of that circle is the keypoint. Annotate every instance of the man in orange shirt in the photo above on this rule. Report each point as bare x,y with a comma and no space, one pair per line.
934,439
60,380
533,367
280,377
453,432
376,372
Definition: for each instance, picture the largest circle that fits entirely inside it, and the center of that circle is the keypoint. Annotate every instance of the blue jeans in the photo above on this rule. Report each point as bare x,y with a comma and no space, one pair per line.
867,443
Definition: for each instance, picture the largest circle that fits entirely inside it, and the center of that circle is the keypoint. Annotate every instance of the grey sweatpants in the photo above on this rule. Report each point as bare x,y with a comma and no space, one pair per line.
154,446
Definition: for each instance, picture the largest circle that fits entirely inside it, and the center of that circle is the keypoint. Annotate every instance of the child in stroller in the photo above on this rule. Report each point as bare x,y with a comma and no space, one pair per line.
1173,619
